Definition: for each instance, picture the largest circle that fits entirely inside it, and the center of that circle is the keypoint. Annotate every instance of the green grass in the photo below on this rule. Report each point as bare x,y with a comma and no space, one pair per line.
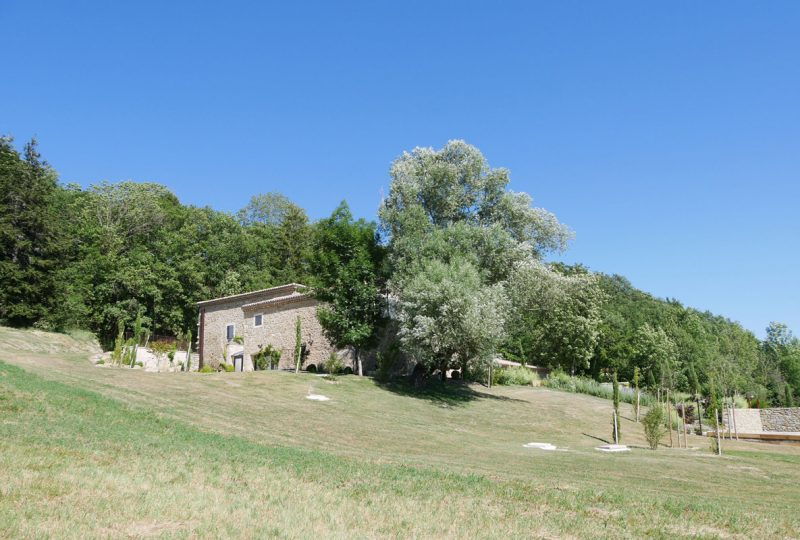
104,452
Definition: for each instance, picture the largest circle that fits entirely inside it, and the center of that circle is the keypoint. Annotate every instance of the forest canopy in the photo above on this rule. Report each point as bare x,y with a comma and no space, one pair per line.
462,254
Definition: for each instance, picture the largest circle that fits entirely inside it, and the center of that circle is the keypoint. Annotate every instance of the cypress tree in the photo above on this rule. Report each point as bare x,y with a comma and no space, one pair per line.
615,389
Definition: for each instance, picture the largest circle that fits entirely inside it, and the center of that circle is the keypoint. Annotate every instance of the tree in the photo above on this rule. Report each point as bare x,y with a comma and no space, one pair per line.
298,344
266,208
782,350
656,353
555,317
653,423
636,382
347,268
615,395
29,236
448,318
455,235
231,284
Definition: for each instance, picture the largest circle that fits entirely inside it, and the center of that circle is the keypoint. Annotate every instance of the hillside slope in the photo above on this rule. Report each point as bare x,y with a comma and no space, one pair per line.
125,452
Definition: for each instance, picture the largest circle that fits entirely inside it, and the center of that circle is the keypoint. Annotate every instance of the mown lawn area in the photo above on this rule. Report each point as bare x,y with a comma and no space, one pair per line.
102,452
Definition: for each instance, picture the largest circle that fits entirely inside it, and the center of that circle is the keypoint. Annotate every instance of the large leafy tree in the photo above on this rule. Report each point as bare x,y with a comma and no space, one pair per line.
449,318
347,266
29,235
455,235
555,315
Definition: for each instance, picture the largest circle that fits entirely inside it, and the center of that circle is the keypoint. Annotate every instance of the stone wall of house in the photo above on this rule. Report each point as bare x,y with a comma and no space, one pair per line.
217,317
781,419
277,329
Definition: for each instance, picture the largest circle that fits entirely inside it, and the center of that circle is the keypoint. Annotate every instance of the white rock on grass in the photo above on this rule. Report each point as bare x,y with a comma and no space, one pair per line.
540,446
317,397
613,448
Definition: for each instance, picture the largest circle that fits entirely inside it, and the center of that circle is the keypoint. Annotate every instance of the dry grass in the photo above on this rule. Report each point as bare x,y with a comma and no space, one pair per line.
119,452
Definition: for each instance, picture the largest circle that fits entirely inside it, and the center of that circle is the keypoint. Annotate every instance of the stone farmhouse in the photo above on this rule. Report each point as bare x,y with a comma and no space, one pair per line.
233,329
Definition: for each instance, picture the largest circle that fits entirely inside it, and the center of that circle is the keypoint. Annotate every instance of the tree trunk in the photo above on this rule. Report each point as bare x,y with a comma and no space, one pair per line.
358,362
637,405
719,443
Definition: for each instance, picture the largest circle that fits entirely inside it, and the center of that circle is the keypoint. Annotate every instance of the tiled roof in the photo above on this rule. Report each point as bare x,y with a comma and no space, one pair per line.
277,300
253,296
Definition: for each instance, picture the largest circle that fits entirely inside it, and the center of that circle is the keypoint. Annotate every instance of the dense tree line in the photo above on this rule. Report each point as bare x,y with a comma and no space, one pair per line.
92,258
458,258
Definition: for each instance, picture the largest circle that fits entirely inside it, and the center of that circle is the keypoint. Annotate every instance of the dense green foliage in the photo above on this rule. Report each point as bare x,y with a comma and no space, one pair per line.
685,349
348,277
99,257
458,256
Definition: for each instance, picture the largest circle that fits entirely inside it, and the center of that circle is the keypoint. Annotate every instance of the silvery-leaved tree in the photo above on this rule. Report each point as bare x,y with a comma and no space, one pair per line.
455,234
448,318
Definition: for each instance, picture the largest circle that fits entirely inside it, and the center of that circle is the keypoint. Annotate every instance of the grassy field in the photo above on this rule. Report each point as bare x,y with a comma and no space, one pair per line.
105,452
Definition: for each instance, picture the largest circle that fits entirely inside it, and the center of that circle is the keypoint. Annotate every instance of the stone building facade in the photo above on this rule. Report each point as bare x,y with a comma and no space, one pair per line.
234,329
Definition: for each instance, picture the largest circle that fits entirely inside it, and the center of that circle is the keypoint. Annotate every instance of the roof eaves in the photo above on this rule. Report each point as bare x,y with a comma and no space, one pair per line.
243,296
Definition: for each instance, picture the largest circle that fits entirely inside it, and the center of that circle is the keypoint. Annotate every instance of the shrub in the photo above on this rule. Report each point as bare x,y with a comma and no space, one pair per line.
517,375
228,368
139,363
206,369
334,365
239,340
267,358
558,380
100,362
653,423
161,348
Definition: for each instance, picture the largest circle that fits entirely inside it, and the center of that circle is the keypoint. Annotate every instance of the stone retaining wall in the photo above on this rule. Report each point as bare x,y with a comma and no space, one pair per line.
787,419
765,420
747,420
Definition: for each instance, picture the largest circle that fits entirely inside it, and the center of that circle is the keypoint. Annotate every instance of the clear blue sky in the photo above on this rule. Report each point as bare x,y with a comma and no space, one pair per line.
667,135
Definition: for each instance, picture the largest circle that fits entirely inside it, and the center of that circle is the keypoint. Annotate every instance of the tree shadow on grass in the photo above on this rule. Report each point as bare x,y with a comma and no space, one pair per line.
596,438
445,394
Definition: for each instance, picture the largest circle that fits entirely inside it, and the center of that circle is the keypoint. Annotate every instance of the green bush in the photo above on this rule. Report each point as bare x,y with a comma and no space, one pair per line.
228,368
267,358
654,429
139,363
517,375
161,348
558,380
334,364
239,340
206,369
100,362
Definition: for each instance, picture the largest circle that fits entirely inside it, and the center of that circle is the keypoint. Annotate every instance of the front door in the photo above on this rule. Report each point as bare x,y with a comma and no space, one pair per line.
238,362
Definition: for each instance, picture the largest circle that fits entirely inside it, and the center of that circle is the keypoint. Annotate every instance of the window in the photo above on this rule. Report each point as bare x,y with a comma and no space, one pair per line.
229,332
258,320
